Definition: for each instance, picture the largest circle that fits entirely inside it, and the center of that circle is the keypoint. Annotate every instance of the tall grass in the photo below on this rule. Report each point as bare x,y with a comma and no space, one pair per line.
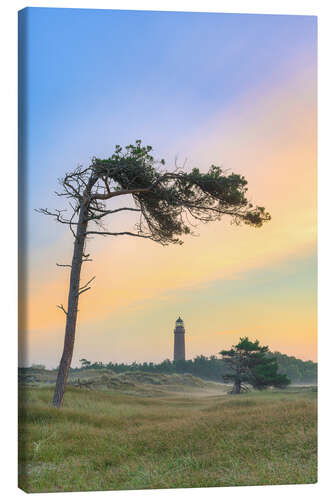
103,440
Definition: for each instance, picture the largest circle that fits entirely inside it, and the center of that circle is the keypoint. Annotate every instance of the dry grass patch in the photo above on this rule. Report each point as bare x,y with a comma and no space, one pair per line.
104,440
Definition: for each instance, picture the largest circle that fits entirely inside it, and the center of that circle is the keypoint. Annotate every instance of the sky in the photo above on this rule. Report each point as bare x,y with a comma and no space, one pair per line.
234,90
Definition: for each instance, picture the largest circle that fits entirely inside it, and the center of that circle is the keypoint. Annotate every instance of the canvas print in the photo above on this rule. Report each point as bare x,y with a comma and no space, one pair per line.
167,250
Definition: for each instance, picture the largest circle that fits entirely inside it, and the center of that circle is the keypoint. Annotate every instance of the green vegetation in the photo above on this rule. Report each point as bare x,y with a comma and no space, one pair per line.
134,382
249,365
212,368
176,432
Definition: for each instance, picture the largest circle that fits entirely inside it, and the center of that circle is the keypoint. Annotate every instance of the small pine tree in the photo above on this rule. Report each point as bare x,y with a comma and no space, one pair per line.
250,365
85,363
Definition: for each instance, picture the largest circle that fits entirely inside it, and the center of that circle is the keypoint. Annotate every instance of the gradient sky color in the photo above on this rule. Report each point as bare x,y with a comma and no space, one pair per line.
230,89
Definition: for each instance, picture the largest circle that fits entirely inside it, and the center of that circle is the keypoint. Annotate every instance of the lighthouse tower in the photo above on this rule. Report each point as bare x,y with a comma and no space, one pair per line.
179,342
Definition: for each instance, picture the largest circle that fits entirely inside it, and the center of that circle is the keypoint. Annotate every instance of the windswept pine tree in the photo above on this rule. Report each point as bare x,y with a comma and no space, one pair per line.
168,205
249,364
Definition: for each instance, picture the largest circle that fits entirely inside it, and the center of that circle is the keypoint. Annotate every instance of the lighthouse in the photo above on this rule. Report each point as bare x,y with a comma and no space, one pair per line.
179,341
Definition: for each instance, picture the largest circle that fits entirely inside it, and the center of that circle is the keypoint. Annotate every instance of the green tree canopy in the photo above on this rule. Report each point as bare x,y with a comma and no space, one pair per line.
163,198
249,363
85,363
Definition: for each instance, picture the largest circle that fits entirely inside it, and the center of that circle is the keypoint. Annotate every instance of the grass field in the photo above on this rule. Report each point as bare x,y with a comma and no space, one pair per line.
196,436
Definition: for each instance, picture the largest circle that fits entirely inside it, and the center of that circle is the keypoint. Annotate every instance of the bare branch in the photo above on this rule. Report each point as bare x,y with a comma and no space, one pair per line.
63,265
57,214
62,308
71,223
128,233
60,194
106,185
67,183
88,283
113,194
120,193
84,290
86,257
108,212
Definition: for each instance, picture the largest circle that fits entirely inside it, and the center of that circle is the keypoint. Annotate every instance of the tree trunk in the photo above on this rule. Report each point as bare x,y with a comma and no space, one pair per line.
237,387
73,299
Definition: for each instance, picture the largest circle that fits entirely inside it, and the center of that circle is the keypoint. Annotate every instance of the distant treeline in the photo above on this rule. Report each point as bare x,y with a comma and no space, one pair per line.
211,367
